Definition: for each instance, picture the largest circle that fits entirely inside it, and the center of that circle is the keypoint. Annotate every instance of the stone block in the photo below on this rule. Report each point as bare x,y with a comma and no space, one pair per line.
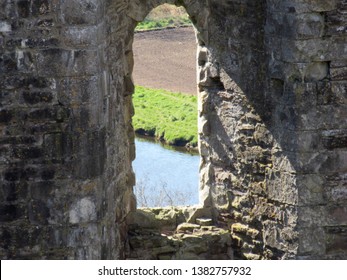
52,211
11,212
14,191
20,174
58,146
91,143
77,36
39,212
25,61
282,187
43,189
42,7
305,51
45,42
321,5
204,221
335,188
137,11
338,74
23,8
272,238
47,174
202,56
334,162
55,62
78,12
322,117
15,82
79,90
339,91
334,139
36,97
299,6
8,63
7,98
337,194
60,62
306,141
295,26
27,8
337,215
89,167
316,71
6,116
30,239
28,153
85,235
311,190
187,227
325,95
82,211
55,113
5,26
318,216
55,236
204,127
335,24
337,49
336,239
313,216
310,26
311,241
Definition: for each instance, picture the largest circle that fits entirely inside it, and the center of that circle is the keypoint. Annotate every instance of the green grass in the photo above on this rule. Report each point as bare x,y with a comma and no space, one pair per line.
165,16
168,116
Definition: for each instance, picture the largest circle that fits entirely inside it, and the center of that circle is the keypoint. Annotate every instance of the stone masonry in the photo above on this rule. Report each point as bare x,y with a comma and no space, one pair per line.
272,86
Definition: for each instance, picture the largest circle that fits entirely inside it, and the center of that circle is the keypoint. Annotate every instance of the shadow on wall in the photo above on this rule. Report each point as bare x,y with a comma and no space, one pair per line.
267,140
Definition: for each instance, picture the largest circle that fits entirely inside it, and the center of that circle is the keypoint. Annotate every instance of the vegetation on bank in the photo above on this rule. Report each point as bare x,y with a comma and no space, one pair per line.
167,116
159,195
164,16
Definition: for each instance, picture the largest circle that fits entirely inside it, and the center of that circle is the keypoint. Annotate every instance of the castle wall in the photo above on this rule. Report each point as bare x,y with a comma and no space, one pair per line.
271,83
64,168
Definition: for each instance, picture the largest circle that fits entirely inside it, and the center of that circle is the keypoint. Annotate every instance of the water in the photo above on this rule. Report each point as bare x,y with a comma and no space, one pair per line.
165,176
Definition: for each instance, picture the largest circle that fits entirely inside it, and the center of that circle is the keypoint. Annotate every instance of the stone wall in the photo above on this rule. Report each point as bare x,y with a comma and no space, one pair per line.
272,125
173,233
64,164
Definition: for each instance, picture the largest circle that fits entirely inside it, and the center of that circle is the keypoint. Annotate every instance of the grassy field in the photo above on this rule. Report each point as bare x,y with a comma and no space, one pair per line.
168,116
165,16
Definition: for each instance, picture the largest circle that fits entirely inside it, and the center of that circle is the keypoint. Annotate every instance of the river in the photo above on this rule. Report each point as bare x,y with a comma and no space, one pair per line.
165,176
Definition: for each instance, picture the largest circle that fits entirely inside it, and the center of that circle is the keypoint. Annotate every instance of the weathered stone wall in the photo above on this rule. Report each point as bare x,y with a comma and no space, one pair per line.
172,233
64,164
272,125
307,56
267,91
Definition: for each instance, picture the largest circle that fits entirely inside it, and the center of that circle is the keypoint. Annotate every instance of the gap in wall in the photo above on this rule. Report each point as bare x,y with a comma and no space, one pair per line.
165,60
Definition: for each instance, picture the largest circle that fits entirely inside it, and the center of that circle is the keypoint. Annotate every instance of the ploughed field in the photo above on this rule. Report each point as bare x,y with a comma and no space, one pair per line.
166,59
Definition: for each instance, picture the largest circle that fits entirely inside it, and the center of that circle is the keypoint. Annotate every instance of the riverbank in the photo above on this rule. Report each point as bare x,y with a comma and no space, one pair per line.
167,116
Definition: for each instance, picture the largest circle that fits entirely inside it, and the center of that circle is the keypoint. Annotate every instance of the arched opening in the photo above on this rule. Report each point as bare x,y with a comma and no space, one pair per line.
165,105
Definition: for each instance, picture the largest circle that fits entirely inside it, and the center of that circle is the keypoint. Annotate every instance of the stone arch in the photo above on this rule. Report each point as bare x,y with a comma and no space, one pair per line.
232,86
218,70
198,13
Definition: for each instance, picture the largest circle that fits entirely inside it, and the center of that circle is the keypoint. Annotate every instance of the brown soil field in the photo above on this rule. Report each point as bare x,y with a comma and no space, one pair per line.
166,59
